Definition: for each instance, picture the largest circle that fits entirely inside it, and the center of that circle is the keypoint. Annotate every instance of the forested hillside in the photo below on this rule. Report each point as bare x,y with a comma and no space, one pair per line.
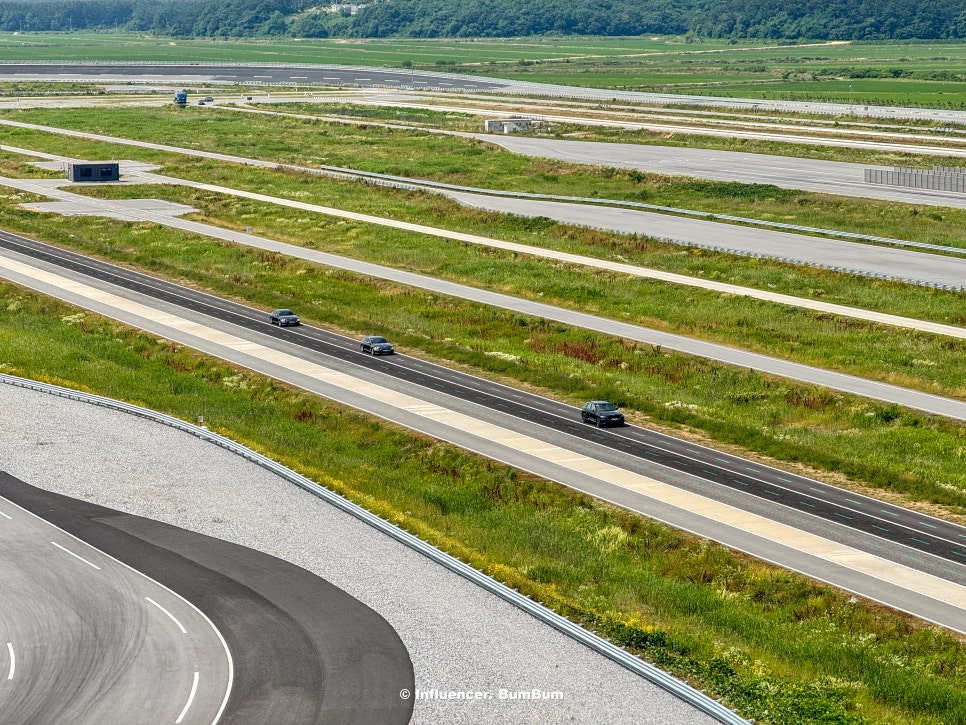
777,19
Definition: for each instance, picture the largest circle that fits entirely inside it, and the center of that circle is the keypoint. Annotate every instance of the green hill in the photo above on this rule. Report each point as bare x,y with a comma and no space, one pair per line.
738,19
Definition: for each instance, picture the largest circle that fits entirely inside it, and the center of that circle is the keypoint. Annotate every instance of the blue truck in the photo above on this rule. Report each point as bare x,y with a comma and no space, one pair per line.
181,97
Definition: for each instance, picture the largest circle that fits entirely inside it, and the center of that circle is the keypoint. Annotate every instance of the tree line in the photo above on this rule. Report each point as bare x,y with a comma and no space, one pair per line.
736,19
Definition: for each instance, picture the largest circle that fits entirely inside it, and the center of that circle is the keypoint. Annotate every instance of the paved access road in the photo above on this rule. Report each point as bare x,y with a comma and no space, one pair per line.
826,177
95,633
864,259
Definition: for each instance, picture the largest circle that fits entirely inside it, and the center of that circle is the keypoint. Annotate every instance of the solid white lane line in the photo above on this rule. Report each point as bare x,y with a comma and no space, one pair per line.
76,556
191,696
13,661
9,518
170,615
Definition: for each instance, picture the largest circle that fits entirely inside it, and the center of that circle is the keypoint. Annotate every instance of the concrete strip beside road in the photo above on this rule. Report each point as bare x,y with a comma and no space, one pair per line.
163,213
825,177
502,444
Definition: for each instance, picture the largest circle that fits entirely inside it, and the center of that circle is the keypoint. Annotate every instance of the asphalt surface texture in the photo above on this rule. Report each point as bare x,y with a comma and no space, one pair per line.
303,650
875,390
459,637
638,449
146,654
240,74
786,172
863,259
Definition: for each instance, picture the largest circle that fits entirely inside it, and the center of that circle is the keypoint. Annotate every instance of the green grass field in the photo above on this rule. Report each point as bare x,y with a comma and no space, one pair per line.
769,643
461,161
859,72
877,446
775,646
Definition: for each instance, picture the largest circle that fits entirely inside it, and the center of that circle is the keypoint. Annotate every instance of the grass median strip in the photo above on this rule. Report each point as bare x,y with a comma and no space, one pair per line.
913,359
422,154
769,643
875,445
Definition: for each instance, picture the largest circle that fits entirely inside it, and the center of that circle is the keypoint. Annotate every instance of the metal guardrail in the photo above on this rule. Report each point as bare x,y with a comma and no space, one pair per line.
939,180
652,674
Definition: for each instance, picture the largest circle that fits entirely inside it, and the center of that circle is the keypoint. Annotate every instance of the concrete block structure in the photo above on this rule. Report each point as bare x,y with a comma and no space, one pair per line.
508,125
94,171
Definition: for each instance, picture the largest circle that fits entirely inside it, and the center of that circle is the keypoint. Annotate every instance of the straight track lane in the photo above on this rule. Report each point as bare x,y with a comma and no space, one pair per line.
636,449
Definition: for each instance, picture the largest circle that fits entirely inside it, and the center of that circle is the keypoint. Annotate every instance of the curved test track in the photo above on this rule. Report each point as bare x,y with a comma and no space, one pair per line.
302,651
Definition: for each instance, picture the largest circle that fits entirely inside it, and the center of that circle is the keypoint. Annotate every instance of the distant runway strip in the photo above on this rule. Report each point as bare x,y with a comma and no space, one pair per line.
686,465
240,74
281,74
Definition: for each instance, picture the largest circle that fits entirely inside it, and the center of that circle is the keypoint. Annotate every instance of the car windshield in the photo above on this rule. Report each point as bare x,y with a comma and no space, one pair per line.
377,340
282,313
606,406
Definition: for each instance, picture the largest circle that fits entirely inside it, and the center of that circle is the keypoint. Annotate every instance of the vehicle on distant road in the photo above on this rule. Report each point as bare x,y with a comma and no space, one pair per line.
201,102
181,97
284,318
375,345
601,413
209,99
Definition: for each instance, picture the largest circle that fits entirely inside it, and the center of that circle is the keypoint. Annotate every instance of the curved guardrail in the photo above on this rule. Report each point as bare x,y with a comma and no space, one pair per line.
652,674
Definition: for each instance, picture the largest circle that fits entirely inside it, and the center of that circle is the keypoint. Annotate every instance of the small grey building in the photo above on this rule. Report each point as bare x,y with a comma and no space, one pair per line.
94,171
508,125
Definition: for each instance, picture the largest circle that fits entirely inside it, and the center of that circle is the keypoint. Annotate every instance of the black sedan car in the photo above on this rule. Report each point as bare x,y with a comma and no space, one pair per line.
283,318
601,413
375,345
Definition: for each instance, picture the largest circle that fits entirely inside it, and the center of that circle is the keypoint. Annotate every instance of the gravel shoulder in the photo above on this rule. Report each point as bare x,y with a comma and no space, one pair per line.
459,637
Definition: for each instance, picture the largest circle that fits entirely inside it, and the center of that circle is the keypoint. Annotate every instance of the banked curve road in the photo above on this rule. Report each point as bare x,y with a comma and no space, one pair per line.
112,619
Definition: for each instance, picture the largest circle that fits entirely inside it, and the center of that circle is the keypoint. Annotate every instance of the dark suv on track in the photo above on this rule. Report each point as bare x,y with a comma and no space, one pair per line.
601,413
375,345
283,318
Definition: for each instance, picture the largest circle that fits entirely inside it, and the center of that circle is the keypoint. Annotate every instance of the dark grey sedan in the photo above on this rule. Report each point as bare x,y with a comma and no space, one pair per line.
283,318
375,345
601,413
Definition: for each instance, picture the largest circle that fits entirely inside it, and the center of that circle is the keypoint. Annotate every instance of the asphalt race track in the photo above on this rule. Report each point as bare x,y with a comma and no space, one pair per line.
303,651
635,448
